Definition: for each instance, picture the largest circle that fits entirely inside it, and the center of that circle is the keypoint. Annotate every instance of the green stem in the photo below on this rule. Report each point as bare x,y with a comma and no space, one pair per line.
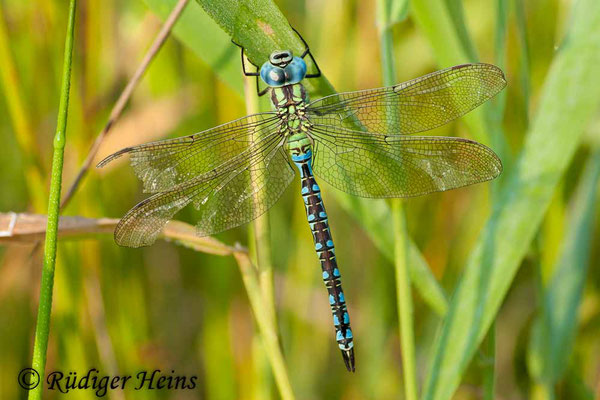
404,296
265,327
42,330
405,307
542,391
265,264
260,232
261,279
489,351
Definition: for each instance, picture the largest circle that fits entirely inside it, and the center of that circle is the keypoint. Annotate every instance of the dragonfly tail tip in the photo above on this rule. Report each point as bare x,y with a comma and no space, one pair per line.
348,356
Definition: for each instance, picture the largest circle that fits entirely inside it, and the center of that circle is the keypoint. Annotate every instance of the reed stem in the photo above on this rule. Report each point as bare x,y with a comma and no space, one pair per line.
404,296
259,280
42,330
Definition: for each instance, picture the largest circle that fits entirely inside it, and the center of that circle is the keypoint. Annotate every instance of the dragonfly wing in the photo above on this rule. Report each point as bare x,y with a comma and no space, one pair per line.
400,166
228,196
164,164
415,106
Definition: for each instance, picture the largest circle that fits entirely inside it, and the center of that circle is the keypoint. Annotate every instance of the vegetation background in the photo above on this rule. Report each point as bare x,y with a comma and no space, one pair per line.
519,256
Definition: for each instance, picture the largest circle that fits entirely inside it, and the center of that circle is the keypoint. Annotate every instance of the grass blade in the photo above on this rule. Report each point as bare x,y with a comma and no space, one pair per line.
264,322
206,39
570,98
455,10
524,66
42,329
489,361
391,12
260,27
554,329
442,23
259,235
404,301
403,292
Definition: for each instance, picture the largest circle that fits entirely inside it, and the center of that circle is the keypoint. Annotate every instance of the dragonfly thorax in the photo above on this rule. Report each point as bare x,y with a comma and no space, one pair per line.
290,103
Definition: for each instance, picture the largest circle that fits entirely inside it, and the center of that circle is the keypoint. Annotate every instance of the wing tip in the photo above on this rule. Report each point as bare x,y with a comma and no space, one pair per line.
495,162
129,234
499,73
499,166
131,239
113,157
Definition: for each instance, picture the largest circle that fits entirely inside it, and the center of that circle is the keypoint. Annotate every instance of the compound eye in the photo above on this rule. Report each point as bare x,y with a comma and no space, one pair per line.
272,75
276,75
295,71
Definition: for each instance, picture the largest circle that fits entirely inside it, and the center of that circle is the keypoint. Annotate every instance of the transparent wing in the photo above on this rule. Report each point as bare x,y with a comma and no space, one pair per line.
399,166
418,105
236,192
164,164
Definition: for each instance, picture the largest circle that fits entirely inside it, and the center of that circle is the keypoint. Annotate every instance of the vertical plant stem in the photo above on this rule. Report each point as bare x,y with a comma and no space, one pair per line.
404,297
260,254
42,330
489,349
263,275
265,264
266,329
259,229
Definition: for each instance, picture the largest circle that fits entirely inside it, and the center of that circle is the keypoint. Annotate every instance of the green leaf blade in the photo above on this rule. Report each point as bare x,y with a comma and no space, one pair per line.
554,329
570,98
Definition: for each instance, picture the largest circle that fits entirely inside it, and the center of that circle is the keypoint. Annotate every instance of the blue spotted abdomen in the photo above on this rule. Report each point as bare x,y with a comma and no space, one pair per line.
317,218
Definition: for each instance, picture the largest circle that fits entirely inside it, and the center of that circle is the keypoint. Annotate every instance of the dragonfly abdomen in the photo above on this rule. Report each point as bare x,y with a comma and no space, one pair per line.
319,226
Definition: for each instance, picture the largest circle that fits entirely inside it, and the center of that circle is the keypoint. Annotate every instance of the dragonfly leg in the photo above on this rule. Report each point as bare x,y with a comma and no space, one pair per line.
307,52
261,92
244,62
246,73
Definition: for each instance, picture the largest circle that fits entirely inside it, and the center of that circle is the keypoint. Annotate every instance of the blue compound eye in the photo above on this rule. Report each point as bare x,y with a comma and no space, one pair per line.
272,75
295,71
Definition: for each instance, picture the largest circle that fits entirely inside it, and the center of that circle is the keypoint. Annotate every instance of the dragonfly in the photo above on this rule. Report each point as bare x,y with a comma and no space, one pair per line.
360,142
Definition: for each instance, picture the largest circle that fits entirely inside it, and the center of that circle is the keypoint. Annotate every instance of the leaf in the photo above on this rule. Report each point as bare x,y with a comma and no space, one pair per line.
554,329
570,98
391,12
260,27
442,23
399,11
206,39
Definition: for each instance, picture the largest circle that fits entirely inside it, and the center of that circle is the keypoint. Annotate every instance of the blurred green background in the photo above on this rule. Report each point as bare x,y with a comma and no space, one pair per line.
171,308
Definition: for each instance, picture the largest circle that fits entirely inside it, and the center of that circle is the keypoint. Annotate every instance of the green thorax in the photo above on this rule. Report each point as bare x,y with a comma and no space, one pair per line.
290,103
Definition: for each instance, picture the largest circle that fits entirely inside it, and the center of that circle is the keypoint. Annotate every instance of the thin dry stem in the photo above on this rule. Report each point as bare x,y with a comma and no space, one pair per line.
30,228
125,96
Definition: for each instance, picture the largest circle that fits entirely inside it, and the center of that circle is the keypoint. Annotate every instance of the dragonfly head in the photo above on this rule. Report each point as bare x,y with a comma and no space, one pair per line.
283,69
281,58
